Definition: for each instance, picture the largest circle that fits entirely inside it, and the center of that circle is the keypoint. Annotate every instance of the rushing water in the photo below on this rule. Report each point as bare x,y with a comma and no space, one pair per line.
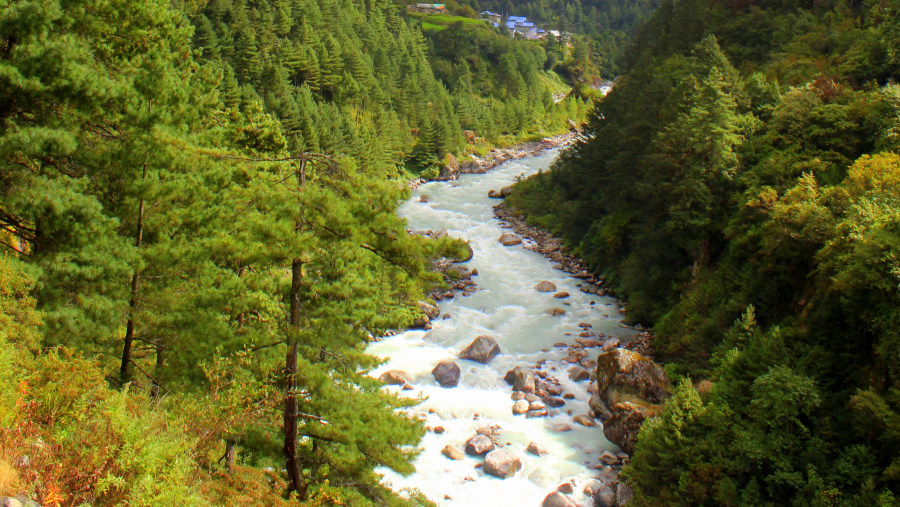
507,307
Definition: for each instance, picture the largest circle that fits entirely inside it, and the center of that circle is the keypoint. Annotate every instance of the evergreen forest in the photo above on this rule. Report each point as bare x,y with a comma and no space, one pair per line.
199,236
739,189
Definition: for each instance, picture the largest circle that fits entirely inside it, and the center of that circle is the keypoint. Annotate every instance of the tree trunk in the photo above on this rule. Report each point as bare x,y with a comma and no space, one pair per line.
156,388
229,455
291,408
125,368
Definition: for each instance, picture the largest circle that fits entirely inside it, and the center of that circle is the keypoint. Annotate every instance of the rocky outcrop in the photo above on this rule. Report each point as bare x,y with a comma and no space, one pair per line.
510,240
623,426
395,377
446,373
502,464
630,388
450,169
625,375
522,379
482,350
470,136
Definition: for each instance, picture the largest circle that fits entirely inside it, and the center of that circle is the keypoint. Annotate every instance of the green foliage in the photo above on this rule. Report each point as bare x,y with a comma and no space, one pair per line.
608,25
157,187
739,188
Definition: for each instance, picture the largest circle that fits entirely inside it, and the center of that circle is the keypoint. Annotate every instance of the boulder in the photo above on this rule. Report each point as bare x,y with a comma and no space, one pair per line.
545,286
536,449
623,426
609,458
482,350
394,377
479,445
567,488
510,240
557,499
598,408
448,173
502,464
537,405
610,344
578,374
522,379
469,136
604,496
625,375
506,191
452,452
561,295
520,407
584,420
446,373
555,312
430,311
493,194
624,494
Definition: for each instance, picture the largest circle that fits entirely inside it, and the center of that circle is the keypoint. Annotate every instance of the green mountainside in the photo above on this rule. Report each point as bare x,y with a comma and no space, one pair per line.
739,188
608,25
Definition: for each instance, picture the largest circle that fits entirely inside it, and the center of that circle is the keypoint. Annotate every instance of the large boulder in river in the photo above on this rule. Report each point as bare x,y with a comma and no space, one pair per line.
632,386
394,377
446,373
479,445
506,192
483,349
502,464
522,379
545,286
625,375
510,240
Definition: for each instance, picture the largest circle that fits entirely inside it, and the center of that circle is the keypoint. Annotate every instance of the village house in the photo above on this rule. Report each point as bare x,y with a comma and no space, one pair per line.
492,16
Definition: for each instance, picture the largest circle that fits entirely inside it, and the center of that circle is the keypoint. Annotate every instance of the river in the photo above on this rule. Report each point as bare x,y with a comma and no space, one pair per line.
508,308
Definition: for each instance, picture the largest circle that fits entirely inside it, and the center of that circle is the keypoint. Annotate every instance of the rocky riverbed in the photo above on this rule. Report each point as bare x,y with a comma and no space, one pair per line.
521,374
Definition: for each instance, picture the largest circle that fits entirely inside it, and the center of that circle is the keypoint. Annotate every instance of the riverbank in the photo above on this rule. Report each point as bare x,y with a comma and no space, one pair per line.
497,156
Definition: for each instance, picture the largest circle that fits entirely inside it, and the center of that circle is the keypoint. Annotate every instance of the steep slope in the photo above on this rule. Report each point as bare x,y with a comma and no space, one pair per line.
738,187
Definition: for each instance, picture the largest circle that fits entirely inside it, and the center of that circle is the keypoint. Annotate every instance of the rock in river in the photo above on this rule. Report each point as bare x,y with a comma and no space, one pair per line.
536,449
394,377
510,240
452,452
482,350
502,464
479,445
522,379
545,286
446,373
557,499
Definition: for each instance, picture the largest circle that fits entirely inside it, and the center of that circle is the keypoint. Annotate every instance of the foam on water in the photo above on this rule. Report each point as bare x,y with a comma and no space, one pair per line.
507,307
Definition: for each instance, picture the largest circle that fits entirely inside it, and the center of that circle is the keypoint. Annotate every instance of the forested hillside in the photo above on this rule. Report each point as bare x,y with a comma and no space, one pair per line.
504,88
739,188
609,24
198,235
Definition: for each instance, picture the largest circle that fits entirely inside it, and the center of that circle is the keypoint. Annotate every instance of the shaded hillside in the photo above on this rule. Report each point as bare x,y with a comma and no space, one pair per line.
739,188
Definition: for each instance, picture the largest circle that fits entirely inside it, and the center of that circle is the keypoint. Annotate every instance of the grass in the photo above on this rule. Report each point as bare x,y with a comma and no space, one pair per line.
442,21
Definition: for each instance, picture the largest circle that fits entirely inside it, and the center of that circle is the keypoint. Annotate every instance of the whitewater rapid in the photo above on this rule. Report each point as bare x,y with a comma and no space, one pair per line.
508,308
